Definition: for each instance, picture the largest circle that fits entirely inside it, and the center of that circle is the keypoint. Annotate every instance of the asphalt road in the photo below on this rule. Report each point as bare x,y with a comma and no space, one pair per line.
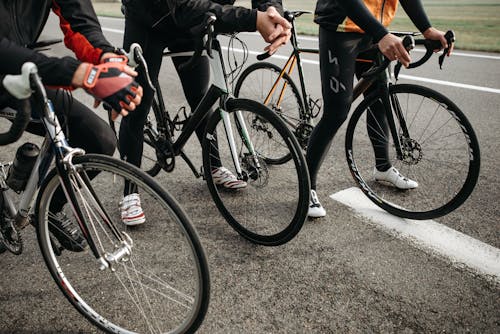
343,273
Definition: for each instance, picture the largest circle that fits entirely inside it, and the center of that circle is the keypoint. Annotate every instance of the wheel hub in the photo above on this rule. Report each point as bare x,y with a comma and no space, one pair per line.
411,151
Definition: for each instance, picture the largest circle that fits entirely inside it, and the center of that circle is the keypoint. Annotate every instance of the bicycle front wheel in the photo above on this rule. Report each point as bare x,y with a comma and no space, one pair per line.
272,207
261,82
150,278
439,151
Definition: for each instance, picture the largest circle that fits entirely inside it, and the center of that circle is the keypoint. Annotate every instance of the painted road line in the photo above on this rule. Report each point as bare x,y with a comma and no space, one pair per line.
428,234
407,77
452,84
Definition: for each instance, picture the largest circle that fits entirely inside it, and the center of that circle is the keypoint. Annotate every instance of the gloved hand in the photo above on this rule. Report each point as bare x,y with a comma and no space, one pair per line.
110,83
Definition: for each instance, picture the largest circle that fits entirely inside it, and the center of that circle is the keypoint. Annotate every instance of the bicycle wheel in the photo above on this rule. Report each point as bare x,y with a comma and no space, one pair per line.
159,284
272,208
149,157
256,83
441,153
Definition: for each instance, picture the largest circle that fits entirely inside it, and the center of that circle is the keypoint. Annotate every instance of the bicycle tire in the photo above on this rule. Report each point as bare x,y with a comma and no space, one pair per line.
255,83
272,208
442,154
163,286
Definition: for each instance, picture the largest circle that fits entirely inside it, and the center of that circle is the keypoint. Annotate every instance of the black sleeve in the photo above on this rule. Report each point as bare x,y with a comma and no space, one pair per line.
82,31
357,11
53,71
415,11
189,13
262,5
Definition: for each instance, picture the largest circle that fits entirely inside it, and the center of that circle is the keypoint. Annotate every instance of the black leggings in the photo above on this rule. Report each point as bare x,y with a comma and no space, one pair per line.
338,53
194,82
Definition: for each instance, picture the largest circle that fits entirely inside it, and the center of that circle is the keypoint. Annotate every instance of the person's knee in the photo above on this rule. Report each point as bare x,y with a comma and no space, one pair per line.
107,140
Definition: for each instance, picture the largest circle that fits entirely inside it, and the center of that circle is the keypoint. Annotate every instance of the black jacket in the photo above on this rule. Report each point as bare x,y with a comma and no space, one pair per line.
177,16
22,22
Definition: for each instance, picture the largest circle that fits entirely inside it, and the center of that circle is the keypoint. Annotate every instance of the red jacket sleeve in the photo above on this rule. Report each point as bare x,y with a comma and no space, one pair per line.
82,31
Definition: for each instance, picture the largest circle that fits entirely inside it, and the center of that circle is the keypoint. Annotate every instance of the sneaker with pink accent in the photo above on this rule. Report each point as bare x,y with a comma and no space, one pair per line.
131,210
223,176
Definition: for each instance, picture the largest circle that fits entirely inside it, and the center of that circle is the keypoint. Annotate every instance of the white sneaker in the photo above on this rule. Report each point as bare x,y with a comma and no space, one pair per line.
316,210
131,210
393,176
223,176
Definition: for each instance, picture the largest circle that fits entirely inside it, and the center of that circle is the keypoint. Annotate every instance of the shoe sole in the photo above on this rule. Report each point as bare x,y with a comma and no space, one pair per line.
384,182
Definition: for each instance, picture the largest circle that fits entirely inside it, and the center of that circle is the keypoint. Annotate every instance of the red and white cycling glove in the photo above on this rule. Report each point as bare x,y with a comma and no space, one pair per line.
109,83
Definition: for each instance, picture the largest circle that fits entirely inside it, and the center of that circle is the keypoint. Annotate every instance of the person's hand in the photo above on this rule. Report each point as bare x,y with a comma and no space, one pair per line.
438,35
392,47
274,28
110,83
108,57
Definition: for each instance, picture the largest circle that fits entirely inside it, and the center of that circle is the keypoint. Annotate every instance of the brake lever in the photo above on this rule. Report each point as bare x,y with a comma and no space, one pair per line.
409,44
135,59
450,39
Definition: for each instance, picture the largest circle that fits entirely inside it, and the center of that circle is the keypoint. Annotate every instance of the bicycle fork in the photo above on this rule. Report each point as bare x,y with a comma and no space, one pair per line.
243,132
393,111
78,189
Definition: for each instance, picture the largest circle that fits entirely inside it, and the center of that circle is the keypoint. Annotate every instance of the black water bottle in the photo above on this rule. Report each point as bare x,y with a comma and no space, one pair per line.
20,170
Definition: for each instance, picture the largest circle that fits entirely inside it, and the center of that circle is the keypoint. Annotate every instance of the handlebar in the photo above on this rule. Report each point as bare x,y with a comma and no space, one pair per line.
20,87
430,47
205,28
290,16
408,43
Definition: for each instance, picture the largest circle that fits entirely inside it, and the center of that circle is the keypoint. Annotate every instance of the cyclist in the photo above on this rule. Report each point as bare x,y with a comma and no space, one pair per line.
346,28
156,25
102,73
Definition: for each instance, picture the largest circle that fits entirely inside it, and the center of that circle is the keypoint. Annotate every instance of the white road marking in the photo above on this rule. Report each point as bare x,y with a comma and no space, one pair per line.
117,31
404,76
428,234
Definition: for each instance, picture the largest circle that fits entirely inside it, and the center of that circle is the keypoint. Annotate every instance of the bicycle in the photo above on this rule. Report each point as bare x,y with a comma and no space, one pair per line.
429,134
153,278
252,132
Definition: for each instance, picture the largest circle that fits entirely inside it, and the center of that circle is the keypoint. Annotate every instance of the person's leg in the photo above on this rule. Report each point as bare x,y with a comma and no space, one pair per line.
377,127
131,135
84,129
337,59
378,131
131,138
195,82
337,54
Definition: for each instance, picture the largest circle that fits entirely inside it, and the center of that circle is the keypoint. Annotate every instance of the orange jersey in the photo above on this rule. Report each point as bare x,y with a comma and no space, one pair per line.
383,10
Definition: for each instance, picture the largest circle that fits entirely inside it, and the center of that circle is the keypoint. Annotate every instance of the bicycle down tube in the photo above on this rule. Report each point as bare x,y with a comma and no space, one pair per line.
218,90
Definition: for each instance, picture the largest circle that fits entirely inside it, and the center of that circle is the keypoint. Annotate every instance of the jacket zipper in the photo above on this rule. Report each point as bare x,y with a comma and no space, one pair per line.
382,12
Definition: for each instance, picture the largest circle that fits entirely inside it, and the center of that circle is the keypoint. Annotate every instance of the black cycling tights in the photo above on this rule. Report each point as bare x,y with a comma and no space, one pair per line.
194,81
338,53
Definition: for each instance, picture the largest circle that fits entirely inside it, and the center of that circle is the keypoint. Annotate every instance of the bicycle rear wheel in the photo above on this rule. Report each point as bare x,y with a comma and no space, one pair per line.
256,83
441,153
161,284
273,207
